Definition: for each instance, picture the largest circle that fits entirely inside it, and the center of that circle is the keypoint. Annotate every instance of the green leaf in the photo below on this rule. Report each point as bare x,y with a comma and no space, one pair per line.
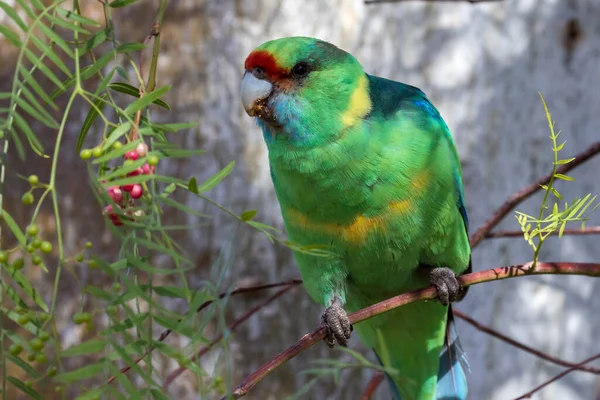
91,395
216,178
248,215
68,24
116,135
51,54
41,65
175,127
56,39
193,185
10,36
77,17
23,281
126,88
146,100
564,177
13,15
14,228
86,372
89,120
559,147
130,47
24,366
44,118
29,79
24,388
90,347
96,40
121,3
555,193
175,292
49,121
26,129
568,160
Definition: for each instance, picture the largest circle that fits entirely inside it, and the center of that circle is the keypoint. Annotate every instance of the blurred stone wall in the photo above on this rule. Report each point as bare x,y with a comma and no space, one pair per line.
481,65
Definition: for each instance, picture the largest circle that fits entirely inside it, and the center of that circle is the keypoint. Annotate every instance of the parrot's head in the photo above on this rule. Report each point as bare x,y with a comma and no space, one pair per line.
304,91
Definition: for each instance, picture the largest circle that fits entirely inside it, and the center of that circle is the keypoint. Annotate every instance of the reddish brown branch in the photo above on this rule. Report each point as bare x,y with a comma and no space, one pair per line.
526,192
592,230
173,375
166,333
424,294
521,346
372,386
559,376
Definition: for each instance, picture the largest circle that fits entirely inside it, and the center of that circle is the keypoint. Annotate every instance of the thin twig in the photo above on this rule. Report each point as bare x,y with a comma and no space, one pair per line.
557,377
166,333
592,230
424,294
372,386
526,192
522,346
173,375
156,29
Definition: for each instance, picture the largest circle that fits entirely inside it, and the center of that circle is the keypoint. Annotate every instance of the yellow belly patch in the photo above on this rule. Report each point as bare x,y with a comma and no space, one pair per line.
355,232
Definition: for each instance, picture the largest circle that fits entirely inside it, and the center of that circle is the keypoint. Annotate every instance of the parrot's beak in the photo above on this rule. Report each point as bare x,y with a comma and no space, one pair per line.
253,91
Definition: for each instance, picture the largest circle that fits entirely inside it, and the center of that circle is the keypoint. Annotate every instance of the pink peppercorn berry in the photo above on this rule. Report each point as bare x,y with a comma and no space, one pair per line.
113,216
115,194
148,169
142,149
131,155
127,188
137,191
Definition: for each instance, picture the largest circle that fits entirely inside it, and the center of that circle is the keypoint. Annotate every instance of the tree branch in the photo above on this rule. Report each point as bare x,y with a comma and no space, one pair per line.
557,377
521,346
526,192
423,294
592,230
372,386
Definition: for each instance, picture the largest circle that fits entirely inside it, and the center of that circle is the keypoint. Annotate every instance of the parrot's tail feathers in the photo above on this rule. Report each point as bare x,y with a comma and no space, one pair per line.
452,380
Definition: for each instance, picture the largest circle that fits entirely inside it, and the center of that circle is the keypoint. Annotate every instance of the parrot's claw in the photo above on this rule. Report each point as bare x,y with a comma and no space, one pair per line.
444,280
339,328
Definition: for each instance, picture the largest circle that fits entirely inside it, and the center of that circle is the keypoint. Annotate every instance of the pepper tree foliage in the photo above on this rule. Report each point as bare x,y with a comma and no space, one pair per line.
124,166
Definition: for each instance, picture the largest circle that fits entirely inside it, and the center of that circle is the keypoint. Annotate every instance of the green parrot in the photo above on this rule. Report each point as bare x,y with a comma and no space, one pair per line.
368,168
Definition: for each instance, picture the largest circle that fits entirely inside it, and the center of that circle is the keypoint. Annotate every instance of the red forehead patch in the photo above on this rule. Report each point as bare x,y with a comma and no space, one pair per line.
267,62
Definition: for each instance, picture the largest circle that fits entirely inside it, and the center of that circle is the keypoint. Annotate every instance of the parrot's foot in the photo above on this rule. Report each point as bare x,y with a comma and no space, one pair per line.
444,280
339,328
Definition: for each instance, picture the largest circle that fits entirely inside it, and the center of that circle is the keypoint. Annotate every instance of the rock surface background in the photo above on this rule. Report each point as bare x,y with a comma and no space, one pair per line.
481,65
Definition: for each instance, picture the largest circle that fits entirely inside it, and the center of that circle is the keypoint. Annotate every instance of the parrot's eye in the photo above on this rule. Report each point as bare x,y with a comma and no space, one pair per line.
258,72
301,69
